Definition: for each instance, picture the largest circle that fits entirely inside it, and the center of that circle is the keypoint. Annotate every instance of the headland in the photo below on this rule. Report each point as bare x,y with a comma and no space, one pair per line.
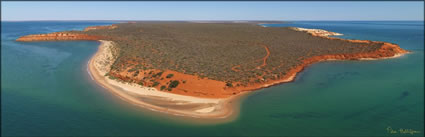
198,69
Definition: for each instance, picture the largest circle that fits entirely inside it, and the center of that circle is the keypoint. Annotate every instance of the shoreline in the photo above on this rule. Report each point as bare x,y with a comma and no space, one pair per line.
209,108
204,107
294,72
196,106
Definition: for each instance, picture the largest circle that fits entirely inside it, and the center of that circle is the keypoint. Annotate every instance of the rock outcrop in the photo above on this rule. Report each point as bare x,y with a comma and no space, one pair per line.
317,32
100,27
387,50
65,35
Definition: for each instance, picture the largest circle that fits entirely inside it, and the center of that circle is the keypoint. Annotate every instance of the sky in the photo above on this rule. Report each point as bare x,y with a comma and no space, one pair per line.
102,10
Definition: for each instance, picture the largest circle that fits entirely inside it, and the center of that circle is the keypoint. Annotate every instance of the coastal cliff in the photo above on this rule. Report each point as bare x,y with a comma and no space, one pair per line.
180,82
388,50
56,36
209,88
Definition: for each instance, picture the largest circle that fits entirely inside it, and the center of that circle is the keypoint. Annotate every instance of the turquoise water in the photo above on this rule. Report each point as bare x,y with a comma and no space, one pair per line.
46,91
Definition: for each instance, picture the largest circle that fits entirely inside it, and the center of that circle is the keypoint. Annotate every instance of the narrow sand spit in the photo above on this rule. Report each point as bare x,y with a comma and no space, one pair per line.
176,104
135,94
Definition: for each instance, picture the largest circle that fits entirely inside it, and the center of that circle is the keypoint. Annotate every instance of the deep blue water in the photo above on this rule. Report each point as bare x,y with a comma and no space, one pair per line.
46,90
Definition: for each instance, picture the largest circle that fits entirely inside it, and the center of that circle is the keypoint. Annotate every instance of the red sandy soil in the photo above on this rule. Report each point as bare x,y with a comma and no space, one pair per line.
265,57
57,36
208,88
193,86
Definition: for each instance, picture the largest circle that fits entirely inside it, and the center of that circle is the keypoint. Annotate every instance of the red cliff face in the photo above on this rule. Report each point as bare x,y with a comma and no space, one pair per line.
57,36
200,87
100,27
65,36
387,50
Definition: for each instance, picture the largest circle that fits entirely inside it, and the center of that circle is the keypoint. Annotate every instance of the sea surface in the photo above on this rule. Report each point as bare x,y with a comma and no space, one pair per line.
46,90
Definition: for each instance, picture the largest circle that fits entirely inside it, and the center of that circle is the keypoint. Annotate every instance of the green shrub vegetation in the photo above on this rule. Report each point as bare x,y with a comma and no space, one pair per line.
158,74
229,84
173,84
162,87
212,49
155,84
112,77
136,73
169,75
132,69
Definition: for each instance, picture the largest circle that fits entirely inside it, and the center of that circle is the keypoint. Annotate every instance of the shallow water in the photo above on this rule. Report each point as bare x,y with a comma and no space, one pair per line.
46,91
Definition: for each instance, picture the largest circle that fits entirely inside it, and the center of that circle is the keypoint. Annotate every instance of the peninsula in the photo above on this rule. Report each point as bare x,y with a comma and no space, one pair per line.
198,69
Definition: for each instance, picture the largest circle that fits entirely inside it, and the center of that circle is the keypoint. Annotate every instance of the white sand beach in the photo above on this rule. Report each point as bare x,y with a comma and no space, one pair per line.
99,65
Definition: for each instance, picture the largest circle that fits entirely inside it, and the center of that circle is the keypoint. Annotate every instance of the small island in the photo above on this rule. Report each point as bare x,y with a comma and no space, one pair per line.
198,69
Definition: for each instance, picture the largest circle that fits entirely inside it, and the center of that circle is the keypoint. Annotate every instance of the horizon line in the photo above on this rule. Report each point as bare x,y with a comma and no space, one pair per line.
210,20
